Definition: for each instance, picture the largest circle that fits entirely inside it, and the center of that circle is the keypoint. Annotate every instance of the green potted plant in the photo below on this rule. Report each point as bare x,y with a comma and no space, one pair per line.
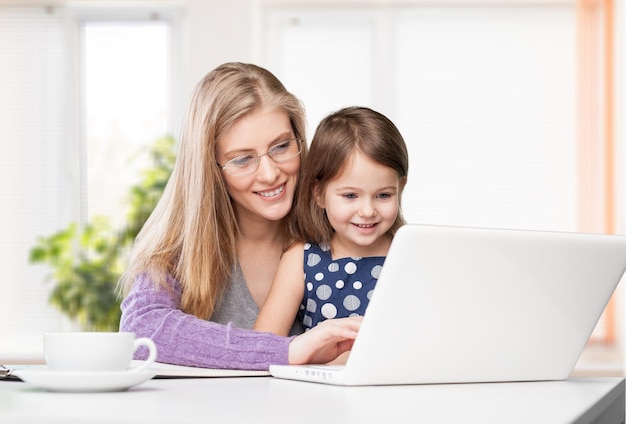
88,262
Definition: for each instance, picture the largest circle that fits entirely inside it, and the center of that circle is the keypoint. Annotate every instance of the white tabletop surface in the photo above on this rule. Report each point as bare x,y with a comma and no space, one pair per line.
268,400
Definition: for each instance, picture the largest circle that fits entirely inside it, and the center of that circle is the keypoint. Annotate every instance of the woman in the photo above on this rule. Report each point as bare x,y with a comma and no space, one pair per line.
204,261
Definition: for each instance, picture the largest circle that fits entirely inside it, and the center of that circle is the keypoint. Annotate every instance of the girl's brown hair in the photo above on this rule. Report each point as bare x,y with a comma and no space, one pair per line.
336,138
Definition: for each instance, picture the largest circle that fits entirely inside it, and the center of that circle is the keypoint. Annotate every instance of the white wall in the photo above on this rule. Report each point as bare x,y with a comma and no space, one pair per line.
218,32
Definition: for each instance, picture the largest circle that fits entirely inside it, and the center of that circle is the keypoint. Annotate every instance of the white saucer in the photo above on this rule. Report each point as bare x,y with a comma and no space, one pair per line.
75,381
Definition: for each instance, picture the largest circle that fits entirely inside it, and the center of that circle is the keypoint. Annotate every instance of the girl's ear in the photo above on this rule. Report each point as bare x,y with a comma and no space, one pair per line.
318,195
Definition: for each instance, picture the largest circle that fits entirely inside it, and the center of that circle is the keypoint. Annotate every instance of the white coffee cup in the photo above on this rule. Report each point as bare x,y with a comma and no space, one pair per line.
95,351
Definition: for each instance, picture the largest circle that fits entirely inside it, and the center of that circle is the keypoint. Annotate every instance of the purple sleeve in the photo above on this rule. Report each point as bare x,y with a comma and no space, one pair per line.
184,339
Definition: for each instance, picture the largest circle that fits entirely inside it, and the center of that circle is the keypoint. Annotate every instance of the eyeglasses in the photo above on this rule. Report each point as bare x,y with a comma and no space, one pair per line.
247,164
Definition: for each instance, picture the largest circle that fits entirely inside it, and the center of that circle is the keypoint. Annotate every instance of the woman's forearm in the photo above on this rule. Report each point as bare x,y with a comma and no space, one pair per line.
184,339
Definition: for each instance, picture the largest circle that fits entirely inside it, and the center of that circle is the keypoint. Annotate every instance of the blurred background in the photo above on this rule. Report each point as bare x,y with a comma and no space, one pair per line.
510,108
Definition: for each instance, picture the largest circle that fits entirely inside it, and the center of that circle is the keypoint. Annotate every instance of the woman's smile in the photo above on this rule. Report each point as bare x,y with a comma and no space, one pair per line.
272,193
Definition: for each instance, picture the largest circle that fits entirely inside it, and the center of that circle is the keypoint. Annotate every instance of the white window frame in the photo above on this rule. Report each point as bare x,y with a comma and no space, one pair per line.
25,346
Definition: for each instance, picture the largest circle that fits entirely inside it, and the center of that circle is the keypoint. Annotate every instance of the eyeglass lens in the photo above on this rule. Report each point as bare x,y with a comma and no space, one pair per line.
279,152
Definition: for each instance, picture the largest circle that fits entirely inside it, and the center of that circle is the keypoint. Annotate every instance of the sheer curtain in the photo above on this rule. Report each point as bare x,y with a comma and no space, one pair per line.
84,94
484,96
37,179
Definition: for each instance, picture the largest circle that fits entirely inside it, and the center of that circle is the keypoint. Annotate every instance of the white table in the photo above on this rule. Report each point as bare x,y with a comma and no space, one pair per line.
268,400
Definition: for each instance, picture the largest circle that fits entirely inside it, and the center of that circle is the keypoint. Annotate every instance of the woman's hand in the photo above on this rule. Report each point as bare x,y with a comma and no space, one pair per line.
325,342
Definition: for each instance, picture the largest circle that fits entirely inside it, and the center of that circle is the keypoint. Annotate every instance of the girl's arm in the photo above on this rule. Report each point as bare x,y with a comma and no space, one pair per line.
281,306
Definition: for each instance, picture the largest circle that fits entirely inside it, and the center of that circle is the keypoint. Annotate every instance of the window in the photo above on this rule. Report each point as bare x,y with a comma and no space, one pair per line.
36,179
126,106
84,92
506,109
486,105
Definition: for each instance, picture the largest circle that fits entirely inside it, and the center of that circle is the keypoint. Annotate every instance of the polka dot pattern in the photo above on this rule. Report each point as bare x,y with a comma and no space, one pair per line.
336,288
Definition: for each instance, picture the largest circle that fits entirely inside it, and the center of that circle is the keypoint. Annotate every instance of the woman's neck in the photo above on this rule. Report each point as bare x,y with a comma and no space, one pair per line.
259,248
260,232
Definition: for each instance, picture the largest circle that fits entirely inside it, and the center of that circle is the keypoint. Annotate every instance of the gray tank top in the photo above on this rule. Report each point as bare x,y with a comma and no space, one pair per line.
238,306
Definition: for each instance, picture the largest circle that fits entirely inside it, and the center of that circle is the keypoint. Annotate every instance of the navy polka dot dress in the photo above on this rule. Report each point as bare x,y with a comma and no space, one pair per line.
336,288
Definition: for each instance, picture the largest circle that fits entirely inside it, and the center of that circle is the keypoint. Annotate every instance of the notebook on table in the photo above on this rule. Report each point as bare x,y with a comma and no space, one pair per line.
162,370
461,305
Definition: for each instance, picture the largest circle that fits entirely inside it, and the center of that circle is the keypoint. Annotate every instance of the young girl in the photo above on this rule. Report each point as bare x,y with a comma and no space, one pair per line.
344,225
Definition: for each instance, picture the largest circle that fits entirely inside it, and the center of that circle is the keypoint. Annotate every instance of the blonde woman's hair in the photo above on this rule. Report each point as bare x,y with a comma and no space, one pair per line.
191,234
338,136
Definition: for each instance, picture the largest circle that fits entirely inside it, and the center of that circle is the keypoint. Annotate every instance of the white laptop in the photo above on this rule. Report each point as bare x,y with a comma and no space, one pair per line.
461,305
